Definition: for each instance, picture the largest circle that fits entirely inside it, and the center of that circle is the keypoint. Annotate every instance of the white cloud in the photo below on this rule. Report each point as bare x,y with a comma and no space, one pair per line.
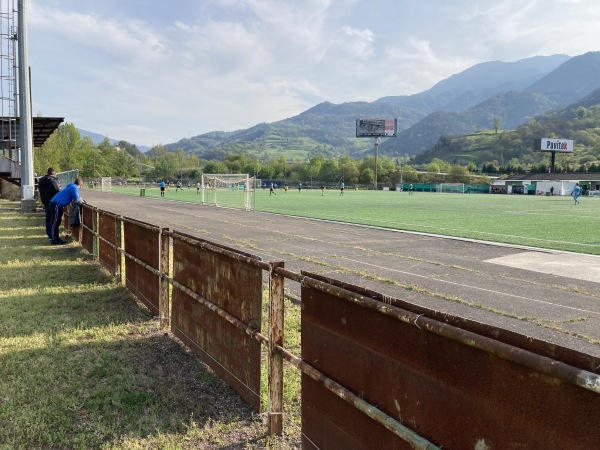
156,74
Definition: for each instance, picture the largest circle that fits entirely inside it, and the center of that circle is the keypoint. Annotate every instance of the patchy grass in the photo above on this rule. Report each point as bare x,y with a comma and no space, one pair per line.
84,366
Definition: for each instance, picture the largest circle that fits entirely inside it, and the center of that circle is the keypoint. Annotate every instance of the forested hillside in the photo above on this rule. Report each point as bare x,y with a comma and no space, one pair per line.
463,103
511,151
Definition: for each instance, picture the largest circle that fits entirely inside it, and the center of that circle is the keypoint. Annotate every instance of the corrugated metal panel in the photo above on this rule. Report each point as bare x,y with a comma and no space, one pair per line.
106,250
87,235
569,356
454,395
234,287
142,242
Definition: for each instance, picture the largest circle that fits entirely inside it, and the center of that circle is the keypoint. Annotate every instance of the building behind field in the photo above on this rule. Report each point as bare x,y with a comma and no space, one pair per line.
548,184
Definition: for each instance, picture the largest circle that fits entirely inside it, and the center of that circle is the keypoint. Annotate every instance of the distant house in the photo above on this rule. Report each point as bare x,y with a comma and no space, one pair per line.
545,183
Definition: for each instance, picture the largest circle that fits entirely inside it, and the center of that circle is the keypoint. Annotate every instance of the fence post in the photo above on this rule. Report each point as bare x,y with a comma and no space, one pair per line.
95,226
118,247
79,229
276,338
163,299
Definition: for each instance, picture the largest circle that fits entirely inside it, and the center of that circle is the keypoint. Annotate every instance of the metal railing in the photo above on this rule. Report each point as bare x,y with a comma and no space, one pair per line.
161,258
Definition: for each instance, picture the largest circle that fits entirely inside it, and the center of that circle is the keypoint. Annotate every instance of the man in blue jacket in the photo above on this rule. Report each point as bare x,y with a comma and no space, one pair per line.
57,205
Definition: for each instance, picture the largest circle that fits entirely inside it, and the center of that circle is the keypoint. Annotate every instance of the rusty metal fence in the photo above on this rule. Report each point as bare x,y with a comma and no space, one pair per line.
377,372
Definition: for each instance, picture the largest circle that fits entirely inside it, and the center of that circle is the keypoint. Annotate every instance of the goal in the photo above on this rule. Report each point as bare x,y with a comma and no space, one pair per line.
67,177
106,184
455,188
227,190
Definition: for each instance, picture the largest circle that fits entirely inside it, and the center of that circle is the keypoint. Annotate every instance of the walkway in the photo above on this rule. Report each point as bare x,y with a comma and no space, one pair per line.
550,295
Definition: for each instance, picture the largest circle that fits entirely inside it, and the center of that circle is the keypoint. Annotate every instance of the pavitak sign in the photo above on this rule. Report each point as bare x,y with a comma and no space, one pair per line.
553,145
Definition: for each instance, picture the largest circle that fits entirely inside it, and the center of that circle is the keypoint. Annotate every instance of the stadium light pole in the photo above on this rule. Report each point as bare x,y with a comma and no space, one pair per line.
254,186
25,120
376,148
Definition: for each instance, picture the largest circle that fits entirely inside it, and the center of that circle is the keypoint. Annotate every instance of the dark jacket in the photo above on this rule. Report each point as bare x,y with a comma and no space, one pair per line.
48,187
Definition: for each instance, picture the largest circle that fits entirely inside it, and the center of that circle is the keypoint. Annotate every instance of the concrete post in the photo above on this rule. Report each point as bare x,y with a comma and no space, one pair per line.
25,123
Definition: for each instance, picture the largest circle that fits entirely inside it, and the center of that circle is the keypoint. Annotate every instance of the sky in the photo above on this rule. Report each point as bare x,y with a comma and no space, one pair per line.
154,72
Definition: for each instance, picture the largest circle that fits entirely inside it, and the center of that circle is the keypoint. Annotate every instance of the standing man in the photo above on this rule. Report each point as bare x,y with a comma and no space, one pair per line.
48,187
576,192
162,188
198,188
342,188
57,206
299,187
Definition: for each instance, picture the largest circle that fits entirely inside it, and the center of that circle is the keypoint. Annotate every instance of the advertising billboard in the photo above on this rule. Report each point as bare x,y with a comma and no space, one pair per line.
553,145
376,127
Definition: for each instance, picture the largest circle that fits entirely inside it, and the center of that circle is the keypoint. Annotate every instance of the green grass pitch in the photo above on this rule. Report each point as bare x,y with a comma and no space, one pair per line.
546,222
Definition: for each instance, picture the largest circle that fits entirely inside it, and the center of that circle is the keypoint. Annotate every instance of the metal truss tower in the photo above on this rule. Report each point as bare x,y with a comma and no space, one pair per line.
8,80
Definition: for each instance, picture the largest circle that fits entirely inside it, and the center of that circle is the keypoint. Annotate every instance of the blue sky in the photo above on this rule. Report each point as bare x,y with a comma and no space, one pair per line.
153,72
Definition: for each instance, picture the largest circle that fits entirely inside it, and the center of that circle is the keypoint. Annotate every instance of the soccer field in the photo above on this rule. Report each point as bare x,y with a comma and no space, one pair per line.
546,222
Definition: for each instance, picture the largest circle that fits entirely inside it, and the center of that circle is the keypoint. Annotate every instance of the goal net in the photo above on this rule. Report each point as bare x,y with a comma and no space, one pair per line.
106,184
227,190
67,177
455,188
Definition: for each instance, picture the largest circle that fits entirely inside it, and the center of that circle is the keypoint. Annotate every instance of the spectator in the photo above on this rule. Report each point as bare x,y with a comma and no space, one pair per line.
48,188
57,205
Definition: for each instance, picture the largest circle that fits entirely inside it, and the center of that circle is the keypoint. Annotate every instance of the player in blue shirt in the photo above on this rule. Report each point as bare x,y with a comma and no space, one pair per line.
575,193
162,188
57,206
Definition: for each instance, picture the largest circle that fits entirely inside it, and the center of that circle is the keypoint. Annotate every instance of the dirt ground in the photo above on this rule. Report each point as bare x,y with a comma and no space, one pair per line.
550,295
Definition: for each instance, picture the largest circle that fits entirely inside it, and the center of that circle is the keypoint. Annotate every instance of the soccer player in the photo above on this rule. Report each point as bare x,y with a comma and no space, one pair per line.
178,187
342,188
322,191
575,193
271,190
198,188
299,187
162,188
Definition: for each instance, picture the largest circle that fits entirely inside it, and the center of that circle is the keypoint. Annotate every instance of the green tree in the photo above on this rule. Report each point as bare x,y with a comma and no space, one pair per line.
68,146
367,175
495,123
459,174
215,167
330,171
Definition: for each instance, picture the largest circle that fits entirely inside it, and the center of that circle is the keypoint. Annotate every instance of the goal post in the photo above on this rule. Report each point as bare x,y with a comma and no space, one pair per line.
106,184
453,188
230,190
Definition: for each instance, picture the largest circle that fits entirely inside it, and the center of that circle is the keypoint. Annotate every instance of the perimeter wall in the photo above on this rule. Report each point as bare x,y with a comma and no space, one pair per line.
377,372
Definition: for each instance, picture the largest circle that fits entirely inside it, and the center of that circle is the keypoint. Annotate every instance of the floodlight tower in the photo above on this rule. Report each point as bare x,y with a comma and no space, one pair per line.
25,121
8,77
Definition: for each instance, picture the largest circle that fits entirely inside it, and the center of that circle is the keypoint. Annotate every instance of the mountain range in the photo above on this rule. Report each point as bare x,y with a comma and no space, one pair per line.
511,92
97,138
